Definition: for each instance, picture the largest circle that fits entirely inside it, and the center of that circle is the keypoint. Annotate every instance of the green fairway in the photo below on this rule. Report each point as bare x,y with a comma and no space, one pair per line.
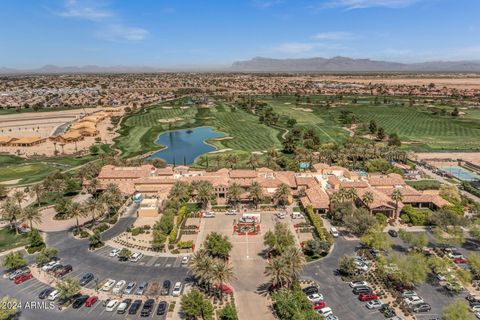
10,240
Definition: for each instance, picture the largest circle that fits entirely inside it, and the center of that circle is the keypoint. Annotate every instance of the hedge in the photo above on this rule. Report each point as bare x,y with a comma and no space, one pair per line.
417,217
185,244
317,223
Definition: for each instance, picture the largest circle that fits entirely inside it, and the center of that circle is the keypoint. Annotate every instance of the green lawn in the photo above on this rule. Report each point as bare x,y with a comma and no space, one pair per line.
9,240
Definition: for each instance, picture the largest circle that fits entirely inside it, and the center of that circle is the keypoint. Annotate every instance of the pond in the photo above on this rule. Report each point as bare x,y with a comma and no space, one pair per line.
183,146
460,173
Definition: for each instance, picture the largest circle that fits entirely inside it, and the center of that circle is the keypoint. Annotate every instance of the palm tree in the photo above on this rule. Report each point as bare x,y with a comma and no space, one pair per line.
37,190
352,194
92,185
200,264
277,271
205,193
282,194
255,193
31,214
221,273
272,152
233,193
368,198
232,159
19,196
76,210
269,161
397,196
94,205
253,160
218,159
112,197
10,211
294,261
181,190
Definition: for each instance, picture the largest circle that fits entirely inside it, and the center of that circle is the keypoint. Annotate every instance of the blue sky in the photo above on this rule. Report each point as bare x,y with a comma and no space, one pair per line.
213,32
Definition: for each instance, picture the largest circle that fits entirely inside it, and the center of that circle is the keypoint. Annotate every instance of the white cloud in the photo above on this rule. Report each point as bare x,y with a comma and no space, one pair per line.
117,32
84,10
362,4
266,3
334,35
295,47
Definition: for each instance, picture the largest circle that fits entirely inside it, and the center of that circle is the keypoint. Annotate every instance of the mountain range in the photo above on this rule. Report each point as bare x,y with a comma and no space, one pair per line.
261,64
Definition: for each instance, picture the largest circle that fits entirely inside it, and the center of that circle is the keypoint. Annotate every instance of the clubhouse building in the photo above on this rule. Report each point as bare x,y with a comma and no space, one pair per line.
313,188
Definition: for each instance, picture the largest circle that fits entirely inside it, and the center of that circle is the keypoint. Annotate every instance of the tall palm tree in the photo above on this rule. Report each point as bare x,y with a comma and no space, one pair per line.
222,273
181,190
201,265
233,193
10,211
294,261
218,159
233,160
94,205
255,193
397,196
37,190
352,194
31,214
282,194
112,197
277,271
205,193
92,185
272,152
368,199
253,160
76,210
19,196
269,161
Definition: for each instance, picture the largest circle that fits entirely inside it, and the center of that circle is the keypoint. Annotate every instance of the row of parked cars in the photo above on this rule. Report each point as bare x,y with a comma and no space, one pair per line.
20,275
318,302
132,307
56,268
122,287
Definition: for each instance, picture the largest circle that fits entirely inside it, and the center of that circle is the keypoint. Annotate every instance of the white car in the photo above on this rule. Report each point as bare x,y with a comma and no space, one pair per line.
108,285
49,266
325,311
122,308
114,252
119,286
111,305
135,257
53,295
281,215
209,214
374,304
185,260
177,289
475,309
231,212
334,232
413,300
361,266
358,284
409,293
477,314
315,297
453,255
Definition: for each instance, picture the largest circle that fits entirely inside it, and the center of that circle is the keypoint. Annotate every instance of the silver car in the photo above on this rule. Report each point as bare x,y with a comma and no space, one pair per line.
141,288
129,288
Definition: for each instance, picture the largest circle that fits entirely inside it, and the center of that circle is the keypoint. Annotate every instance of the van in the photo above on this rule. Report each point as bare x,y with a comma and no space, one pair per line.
334,232
297,215
362,289
135,257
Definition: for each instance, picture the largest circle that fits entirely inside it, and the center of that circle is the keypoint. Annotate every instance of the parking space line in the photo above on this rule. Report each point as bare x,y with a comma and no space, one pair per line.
31,284
151,262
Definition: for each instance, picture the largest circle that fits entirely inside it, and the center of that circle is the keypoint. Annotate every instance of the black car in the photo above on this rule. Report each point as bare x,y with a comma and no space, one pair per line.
64,301
166,288
134,307
44,293
387,311
86,278
63,271
162,308
422,307
147,308
310,290
79,302
393,233
362,289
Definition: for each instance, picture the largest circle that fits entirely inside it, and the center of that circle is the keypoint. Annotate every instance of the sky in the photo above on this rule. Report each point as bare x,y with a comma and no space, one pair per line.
160,33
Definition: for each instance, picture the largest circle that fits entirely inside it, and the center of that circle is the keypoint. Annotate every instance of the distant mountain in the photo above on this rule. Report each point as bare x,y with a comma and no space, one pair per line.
343,64
53,69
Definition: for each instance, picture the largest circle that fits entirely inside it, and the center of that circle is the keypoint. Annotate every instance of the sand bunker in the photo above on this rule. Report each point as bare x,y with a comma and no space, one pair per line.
167,107
169,120
303,109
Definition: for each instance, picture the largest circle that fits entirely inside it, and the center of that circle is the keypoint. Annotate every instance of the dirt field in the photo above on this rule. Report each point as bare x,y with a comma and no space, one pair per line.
473,157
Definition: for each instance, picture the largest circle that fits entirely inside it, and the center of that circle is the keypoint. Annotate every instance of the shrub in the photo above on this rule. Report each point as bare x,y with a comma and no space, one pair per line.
101,228
135,231
418,217
185,244
172,237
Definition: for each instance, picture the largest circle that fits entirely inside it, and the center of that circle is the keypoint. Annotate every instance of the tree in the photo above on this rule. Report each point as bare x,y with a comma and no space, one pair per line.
380,134
3,191
94,205
14,260
372,127
291,122
232,159
195,304
9,308
38,190
315,247
347,265
455,112
376,238
277,272
228,312
253,160
205,193
201,265
181,191
112,197
221,273
68,287
359,222
282,194
36,241
457,310
217,245
412,269
368,199
397,196
94,149
45,255
417,241
450,193
76,210
294,262
280,238
233,193
19,196
124,254
10,211
31,214
293,304
63,205
394,140
95,240
255,193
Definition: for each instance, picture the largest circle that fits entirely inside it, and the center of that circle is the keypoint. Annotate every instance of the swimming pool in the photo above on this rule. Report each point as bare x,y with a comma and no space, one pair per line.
460,173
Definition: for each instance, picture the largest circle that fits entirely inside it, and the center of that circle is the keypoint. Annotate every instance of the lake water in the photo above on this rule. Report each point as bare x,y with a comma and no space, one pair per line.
183,146
460,173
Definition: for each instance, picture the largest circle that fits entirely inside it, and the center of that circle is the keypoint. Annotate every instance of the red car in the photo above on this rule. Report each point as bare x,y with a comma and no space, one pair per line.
367,297
319,305
91,301
460,260
224,288
23,277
